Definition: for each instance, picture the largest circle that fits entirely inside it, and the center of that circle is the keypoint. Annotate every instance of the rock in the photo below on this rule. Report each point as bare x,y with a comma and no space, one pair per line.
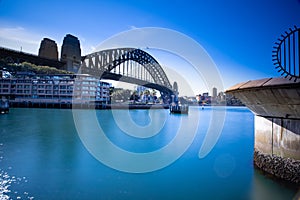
284,168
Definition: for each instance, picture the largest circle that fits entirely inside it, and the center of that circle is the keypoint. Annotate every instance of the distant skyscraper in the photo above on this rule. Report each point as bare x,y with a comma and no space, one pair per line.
175,88
71,53
140,89
48,49
214,93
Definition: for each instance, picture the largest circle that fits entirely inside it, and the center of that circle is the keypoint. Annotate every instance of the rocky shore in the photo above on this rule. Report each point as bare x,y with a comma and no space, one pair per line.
284,168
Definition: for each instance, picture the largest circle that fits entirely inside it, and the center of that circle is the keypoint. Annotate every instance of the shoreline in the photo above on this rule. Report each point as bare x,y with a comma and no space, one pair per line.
88,106
98,106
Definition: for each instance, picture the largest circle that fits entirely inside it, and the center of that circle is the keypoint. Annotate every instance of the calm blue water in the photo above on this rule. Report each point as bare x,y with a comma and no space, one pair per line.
43,156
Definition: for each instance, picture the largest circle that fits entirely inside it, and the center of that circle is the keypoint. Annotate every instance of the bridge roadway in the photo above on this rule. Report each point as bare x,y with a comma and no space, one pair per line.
13,56
119,77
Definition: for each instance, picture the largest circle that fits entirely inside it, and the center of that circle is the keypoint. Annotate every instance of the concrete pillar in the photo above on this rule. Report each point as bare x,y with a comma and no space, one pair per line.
278,136
276,105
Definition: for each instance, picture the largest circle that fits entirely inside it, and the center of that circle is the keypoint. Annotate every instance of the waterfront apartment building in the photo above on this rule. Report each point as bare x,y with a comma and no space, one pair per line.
55,90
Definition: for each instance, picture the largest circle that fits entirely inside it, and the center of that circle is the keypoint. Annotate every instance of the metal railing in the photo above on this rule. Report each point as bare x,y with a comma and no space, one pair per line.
286,54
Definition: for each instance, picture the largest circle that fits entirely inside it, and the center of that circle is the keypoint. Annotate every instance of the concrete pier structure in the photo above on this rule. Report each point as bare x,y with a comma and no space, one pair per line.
276,105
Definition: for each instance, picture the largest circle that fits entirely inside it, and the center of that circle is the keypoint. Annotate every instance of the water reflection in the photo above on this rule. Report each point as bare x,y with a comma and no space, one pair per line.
42,156
7,180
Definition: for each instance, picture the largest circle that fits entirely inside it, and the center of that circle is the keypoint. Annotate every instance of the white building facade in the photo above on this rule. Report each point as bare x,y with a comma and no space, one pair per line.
55,90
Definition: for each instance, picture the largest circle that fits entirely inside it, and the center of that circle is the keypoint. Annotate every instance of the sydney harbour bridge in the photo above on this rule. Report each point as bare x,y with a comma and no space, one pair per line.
129,65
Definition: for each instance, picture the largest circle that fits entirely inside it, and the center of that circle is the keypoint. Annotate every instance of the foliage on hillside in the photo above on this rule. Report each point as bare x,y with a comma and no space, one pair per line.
120,95
28,67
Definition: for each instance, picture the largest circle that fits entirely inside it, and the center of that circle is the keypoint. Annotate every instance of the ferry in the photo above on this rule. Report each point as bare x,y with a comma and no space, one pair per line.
4,106
180,109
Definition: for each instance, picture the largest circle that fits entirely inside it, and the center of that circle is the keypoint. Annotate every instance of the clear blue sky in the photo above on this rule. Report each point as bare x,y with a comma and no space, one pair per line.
238,34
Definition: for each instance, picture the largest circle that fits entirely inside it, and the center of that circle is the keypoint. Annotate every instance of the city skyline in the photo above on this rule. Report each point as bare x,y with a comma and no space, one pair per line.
239,37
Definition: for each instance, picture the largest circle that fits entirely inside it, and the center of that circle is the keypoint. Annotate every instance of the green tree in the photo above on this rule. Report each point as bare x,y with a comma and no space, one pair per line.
13,68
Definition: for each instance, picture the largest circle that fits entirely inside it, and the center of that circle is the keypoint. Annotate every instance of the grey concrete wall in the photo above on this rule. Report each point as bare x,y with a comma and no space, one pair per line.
278,136
275,97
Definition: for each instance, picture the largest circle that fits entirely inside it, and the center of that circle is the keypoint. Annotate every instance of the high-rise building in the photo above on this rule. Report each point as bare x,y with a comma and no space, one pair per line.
48,49
71,53
140,89
175,89
214,93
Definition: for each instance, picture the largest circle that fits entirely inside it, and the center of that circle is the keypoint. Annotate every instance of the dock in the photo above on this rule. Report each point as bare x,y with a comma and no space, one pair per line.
179,109
4,106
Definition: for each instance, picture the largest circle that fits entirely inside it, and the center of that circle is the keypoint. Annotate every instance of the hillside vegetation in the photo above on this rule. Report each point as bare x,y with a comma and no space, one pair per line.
13,68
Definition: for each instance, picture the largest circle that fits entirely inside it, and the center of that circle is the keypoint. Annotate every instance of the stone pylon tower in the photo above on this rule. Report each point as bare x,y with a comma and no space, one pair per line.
48,49
71,53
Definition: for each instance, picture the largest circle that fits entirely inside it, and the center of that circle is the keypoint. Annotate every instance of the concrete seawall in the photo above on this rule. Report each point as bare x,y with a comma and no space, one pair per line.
276,105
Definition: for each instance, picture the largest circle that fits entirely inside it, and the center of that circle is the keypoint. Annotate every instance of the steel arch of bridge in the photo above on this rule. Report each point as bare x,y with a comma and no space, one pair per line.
105,63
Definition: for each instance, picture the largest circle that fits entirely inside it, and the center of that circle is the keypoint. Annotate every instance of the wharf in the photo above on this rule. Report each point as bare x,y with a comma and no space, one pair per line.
91,105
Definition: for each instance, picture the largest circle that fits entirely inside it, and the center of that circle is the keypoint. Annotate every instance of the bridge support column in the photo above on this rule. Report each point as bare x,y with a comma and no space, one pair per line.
277,136
275,103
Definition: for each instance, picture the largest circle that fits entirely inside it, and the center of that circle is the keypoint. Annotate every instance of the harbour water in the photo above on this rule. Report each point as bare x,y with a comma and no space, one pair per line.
43,155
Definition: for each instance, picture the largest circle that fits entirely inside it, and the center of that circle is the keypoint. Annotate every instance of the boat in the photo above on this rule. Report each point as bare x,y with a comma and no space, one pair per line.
4,106
180,109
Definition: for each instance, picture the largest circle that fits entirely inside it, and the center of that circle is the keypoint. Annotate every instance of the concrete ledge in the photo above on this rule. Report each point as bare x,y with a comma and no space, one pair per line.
255,83
270,97
284,168
265,82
